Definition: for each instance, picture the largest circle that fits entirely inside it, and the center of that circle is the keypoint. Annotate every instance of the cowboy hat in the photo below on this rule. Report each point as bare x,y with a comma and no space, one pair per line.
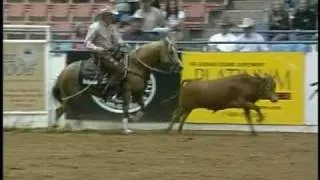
225,22
247,22
105,10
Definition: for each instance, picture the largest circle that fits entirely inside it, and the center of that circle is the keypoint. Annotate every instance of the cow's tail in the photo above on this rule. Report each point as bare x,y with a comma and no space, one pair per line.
177,93
56,92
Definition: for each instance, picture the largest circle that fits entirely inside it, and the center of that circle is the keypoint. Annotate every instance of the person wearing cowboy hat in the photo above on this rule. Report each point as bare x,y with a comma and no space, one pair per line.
224,36
249,34
135,32
153,17
103,39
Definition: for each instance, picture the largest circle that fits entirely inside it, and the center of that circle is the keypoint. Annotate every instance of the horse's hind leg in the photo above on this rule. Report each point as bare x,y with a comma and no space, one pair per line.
59,111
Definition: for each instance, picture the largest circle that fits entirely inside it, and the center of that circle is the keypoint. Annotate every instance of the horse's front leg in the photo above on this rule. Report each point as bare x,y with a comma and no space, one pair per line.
126,102
139,99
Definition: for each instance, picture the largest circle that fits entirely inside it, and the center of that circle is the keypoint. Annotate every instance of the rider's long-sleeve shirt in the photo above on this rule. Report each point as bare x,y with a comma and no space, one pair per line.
101,35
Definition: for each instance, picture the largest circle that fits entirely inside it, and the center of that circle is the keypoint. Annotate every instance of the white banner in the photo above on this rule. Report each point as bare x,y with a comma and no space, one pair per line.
311,99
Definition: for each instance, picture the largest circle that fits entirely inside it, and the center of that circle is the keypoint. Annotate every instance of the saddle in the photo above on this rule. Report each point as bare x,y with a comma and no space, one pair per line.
91,74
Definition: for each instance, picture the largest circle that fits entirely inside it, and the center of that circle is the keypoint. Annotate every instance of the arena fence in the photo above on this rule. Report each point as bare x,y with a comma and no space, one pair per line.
27,101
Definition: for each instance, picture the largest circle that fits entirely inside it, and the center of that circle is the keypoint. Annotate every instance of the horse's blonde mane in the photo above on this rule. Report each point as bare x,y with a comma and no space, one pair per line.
148,48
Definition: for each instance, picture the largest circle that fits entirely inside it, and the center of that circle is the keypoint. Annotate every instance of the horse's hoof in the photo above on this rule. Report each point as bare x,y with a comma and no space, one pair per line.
127,131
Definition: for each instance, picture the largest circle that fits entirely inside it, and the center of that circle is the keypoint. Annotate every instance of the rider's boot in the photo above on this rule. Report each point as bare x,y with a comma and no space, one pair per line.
110,89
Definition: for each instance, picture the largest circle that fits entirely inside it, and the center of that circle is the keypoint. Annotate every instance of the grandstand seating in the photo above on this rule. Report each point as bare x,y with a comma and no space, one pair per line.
37,12
250,5
15,12
59,12
81,12
63,14
196,15
48,11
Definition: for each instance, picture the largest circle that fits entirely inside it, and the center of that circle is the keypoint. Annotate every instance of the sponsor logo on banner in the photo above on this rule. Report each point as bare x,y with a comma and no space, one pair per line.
311,94
24,79
287,68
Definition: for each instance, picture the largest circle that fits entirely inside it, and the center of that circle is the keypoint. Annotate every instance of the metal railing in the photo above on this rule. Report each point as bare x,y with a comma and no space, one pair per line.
233,31
198,45
203,42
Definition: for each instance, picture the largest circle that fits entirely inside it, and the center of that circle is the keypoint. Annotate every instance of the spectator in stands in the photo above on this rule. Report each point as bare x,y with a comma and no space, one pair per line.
135,33
124,26
123,8
174,19
134,6
250,35
156,4
153,17
224,36
304,19
289,4
80,32
278,20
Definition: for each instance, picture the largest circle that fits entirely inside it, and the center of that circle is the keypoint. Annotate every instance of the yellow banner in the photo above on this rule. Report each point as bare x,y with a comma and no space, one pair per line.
286,67
24,77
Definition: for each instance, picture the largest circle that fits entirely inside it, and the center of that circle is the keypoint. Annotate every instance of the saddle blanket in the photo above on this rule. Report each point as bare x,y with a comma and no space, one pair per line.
91,74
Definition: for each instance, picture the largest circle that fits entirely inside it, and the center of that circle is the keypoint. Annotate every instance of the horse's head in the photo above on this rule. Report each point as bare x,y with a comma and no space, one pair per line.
169,58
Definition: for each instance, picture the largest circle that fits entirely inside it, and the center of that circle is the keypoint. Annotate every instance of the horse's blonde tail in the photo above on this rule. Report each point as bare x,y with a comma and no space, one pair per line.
56,92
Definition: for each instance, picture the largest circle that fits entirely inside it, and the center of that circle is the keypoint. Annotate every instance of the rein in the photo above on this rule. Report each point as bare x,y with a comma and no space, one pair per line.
151,68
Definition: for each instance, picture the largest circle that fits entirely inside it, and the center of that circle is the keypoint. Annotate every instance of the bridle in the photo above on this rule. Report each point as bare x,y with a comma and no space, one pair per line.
152,68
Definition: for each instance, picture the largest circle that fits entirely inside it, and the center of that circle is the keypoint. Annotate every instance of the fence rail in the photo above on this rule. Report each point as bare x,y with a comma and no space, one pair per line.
203,42
233,31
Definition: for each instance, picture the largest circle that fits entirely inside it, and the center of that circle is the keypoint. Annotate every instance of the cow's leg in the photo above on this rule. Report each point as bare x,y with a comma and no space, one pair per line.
248,117
183,119
247,105
175,117
257,109
126,102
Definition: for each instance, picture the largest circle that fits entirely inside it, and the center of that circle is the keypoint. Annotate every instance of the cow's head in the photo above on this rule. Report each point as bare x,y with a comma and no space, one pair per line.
268,87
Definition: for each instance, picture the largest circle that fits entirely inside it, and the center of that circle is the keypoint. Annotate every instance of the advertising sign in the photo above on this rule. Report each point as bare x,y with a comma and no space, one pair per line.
24,78
287,68
311,96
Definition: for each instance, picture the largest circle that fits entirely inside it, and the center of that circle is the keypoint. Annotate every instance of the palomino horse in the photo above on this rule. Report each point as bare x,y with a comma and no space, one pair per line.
147,58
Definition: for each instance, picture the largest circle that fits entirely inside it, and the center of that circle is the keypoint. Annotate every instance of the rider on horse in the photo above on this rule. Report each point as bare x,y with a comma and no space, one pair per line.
104,40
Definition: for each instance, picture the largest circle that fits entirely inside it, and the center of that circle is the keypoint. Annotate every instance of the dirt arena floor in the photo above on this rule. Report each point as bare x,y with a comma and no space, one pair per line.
159,156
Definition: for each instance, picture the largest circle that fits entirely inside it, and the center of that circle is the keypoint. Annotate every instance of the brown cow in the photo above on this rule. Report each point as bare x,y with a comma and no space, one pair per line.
238,91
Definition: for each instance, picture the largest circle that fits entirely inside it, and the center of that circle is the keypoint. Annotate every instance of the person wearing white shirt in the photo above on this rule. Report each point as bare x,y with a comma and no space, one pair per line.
174,18
249,35
224,36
